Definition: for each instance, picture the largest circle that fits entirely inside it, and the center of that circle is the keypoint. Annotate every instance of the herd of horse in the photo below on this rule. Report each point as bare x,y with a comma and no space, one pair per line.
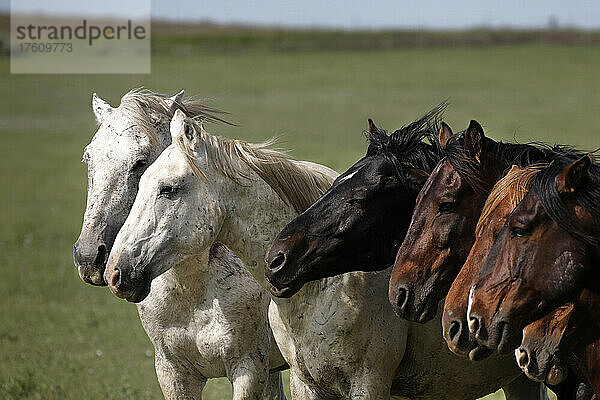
496,242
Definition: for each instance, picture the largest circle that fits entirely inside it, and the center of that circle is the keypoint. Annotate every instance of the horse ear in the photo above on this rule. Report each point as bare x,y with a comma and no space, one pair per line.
514,169
175,101
474,139
373,129
574,175
181,128
177,126
101,108
444,135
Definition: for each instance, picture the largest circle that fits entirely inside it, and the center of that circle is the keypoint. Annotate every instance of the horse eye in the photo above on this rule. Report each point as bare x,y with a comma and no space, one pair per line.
168,191
517,231
446,207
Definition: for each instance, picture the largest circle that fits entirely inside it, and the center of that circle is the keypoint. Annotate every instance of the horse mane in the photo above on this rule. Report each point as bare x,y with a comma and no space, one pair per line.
512,187
414,145
588,197
137,104
295,183
499,156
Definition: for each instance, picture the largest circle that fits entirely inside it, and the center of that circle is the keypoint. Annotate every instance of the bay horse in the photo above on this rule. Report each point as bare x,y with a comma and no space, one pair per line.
566,339
504,197
175,315
339,335
442,228
544,255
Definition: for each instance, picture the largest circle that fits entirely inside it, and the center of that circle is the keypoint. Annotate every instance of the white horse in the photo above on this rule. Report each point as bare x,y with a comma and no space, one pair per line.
339,335
207,318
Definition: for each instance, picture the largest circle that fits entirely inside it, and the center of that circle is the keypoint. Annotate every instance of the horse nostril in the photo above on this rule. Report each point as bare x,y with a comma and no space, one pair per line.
401,298
522,357
454,331
277,262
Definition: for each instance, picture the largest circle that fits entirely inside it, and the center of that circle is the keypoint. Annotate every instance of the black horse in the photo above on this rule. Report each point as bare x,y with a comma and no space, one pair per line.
361,220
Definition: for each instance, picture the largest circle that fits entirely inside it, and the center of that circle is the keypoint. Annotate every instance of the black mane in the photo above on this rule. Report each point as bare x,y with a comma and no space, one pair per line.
588,197
499,157
415,145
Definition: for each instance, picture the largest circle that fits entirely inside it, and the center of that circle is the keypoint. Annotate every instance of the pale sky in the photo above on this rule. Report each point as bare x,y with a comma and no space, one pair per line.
345,14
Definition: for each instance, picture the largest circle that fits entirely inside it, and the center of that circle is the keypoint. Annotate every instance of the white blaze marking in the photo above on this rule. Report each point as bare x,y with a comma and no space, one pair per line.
340,181
471,294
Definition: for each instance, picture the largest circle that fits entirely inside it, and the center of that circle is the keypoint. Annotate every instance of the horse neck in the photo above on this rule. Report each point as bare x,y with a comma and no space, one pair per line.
501,156
493,167
254,215
584,358
175,297
189,272
594,223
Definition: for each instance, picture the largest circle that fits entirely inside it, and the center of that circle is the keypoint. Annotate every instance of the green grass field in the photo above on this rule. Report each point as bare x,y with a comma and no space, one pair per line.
60,338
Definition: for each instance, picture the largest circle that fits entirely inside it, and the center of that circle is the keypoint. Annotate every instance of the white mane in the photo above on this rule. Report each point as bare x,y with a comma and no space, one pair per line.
297,185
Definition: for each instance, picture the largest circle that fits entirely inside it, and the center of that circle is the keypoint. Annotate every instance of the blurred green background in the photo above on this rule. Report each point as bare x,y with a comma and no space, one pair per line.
60,338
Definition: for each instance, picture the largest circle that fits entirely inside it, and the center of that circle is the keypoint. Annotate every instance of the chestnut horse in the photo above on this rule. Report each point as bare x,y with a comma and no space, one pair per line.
442,229
567,337
543,257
